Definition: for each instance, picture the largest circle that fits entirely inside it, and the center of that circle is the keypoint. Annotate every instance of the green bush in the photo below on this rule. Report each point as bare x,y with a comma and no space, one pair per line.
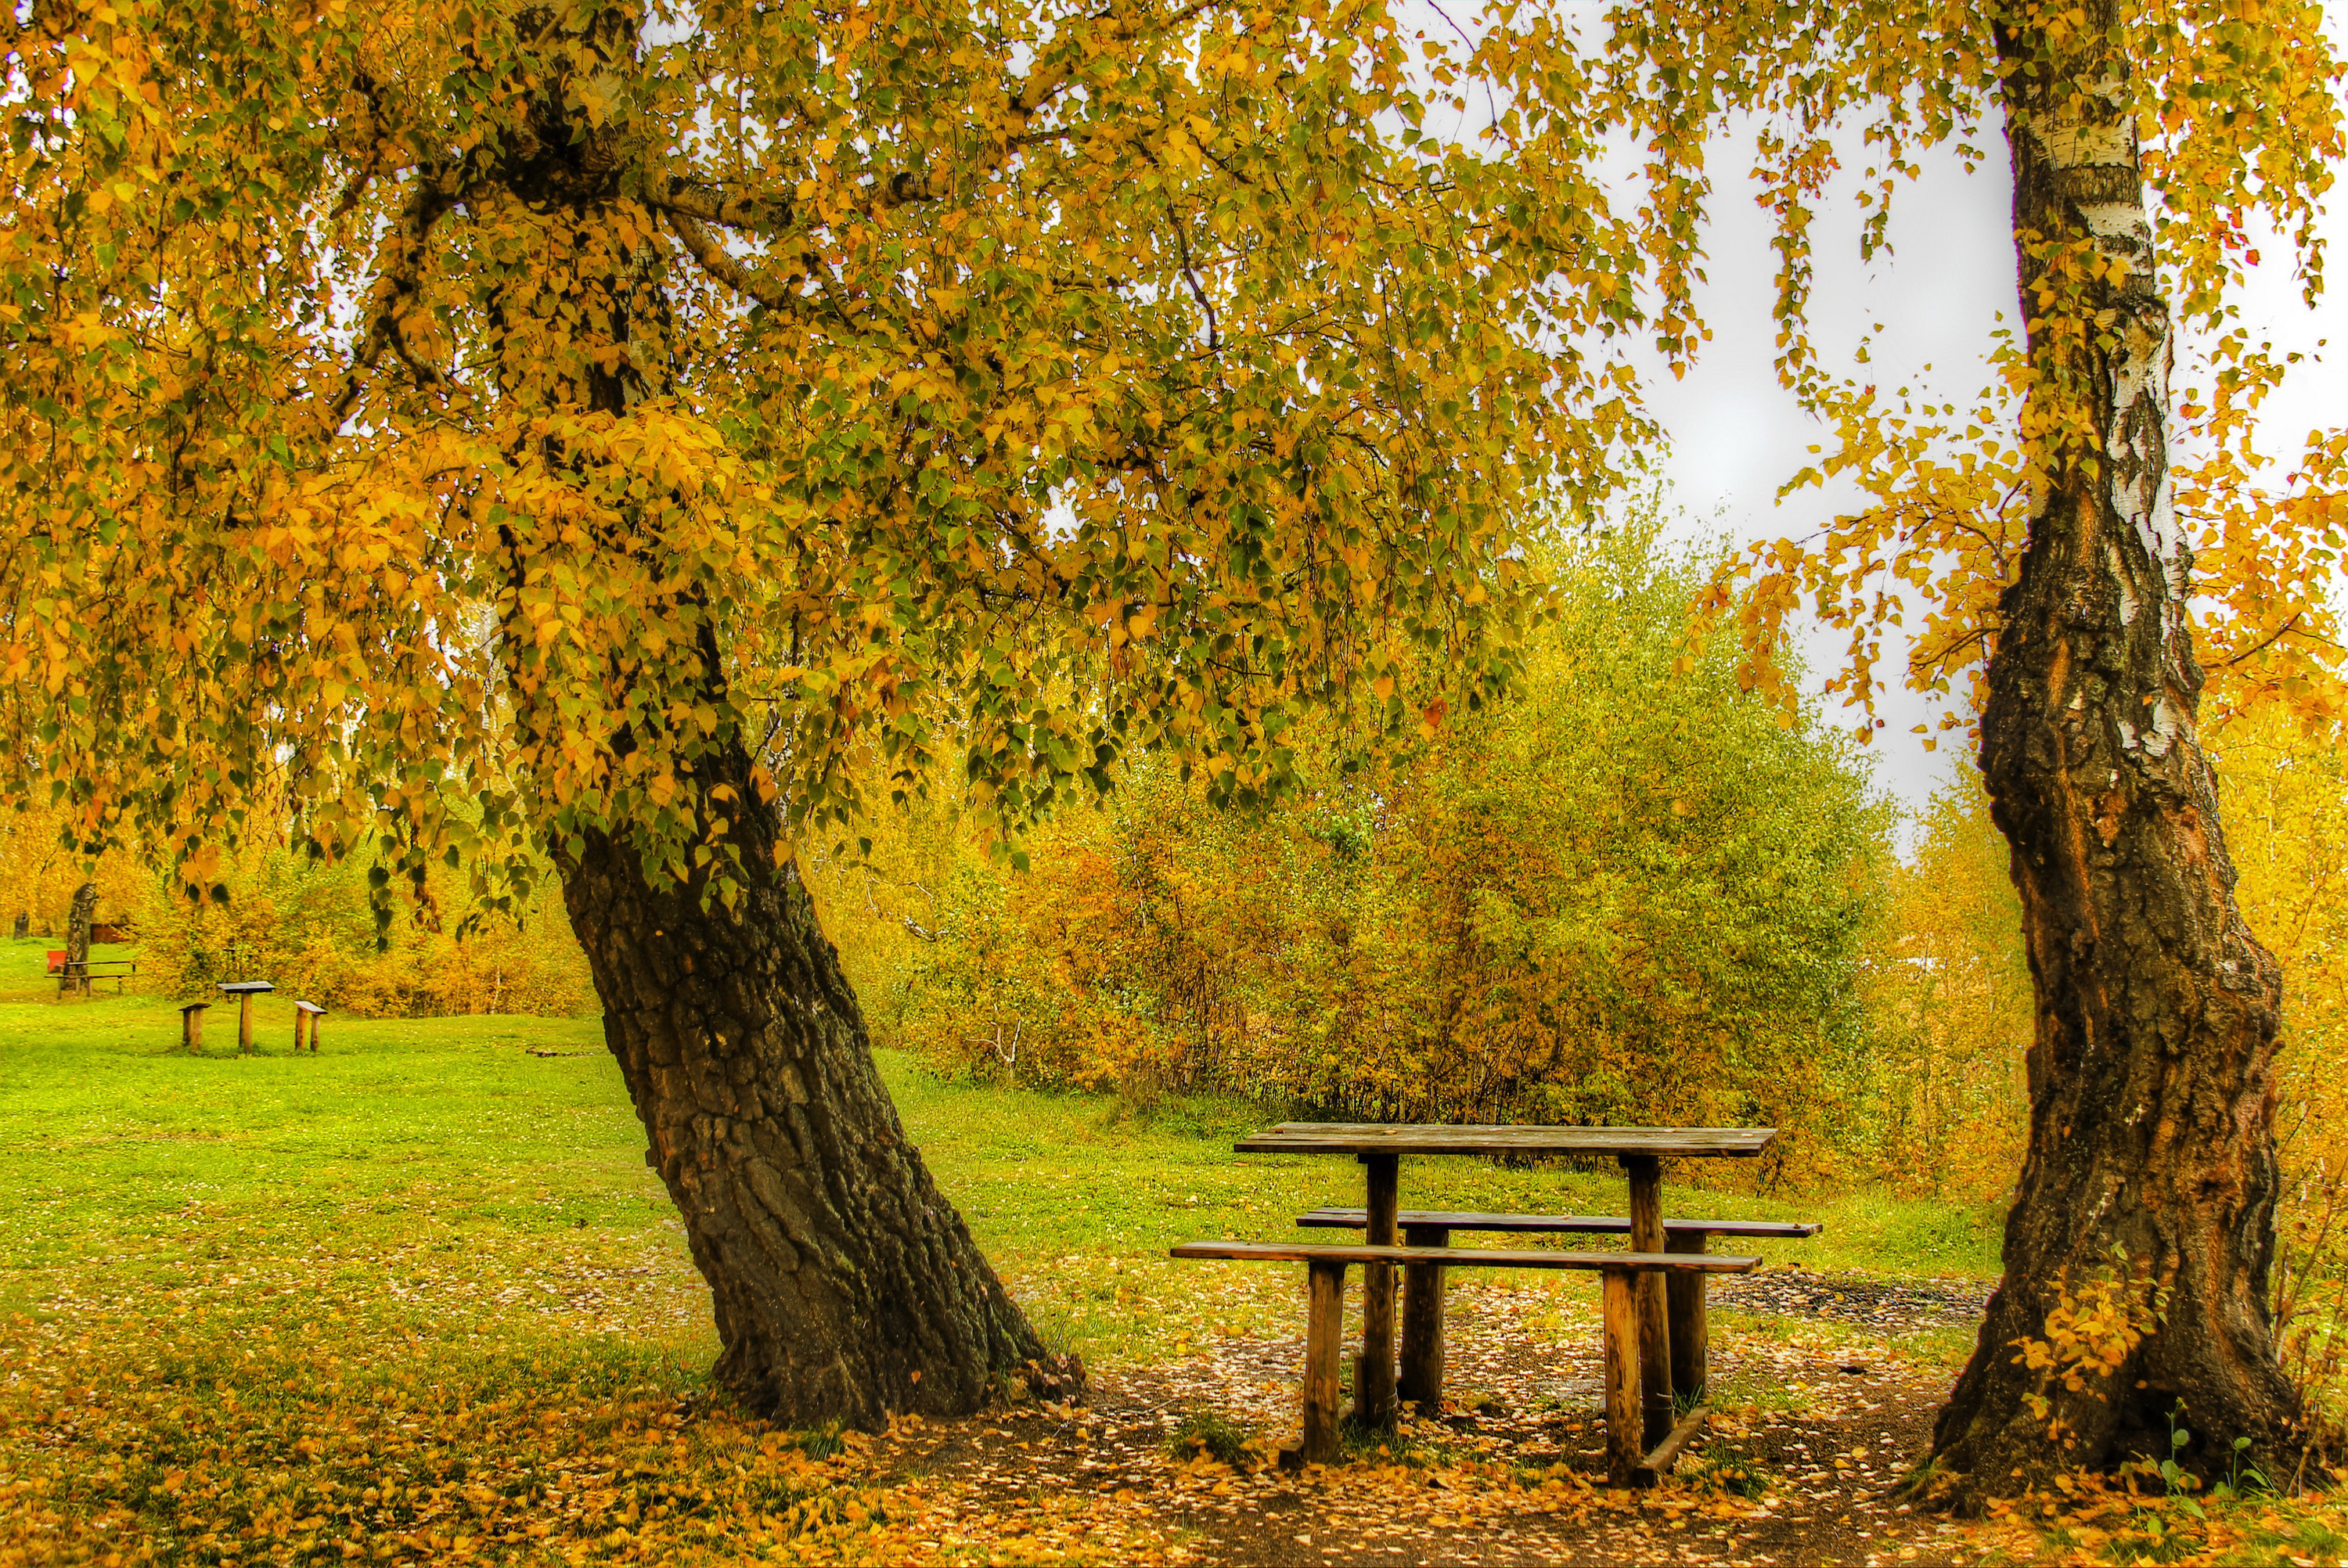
1635,893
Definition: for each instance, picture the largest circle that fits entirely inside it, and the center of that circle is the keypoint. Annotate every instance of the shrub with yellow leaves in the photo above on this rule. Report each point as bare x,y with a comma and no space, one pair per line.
311,929
1628,894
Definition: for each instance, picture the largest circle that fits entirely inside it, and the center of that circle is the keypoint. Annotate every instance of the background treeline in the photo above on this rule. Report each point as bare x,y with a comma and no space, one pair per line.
1635,893
310,930
1624,897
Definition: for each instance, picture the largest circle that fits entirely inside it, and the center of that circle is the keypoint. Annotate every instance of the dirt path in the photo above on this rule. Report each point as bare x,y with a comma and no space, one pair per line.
1828,1388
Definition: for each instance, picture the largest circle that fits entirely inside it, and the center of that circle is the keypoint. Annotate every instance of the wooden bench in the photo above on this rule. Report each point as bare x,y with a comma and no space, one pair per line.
1626,1463
1686,1308
1562,1224
69,972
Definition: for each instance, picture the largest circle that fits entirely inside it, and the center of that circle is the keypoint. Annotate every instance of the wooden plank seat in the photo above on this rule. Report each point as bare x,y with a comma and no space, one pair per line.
1628,1461
1685,1309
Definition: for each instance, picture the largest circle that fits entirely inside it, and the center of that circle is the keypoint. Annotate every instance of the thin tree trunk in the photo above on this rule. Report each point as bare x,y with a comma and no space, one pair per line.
846,1287
2151,1162
85,904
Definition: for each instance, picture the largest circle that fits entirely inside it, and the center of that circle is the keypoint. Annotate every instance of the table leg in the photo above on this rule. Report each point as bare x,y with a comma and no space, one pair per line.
1654,1321
1421,1381
1374,1373
1691,1331
244,1025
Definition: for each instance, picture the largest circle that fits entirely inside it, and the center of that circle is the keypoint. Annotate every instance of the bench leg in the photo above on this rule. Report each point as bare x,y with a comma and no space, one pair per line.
1374,1375
1421,1381
1624,1448
1691,1328
1324,1316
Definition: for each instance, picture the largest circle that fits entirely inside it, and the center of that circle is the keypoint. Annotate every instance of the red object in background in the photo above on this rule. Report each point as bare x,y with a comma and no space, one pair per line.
56,959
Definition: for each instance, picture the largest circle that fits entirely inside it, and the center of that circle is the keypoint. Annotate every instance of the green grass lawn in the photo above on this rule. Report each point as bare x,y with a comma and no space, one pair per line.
440,1159
418,1274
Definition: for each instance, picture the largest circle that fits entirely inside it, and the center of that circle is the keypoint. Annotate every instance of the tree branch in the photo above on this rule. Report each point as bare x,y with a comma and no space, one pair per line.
1198,289
727,270
2276,636
771,212
438,187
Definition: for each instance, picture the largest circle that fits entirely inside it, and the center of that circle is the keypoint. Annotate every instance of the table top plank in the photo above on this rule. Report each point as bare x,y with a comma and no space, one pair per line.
1558,1225
1423,1138
1464,1256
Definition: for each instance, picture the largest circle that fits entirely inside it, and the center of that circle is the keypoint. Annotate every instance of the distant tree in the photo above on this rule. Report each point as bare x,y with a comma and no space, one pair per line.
1619,895
1954,1010
85,904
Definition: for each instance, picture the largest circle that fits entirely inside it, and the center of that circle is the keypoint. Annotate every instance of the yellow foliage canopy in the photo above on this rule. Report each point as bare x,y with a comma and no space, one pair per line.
454,420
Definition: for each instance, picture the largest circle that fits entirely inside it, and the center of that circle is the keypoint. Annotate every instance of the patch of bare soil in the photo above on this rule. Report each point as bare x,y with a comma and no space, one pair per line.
1824,1409
1884,1305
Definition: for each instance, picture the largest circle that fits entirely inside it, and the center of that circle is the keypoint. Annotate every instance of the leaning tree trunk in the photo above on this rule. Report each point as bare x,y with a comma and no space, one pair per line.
84,906
2150,1178
846,1287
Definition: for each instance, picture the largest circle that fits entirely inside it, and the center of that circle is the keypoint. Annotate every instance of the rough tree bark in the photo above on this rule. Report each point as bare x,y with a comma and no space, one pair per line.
84,906
2151,1161
846,1287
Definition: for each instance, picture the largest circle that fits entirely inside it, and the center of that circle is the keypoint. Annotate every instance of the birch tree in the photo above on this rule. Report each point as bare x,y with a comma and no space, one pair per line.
2056,551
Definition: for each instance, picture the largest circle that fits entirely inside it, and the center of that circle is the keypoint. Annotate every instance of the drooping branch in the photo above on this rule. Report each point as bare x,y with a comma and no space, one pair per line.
771,212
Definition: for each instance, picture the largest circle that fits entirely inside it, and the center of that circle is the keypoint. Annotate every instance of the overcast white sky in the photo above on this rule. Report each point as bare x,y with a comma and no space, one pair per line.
1736,437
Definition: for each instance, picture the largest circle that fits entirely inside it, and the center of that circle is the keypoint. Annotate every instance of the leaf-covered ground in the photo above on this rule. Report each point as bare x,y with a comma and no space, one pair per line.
418,1300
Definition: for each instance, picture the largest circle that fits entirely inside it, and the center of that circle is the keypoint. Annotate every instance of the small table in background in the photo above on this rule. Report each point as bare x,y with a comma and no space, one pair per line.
244,991
1380,1148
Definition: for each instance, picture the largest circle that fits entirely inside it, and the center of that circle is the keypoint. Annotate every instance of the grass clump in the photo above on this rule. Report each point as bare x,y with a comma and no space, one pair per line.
1731,1475
822,1442
1213,1434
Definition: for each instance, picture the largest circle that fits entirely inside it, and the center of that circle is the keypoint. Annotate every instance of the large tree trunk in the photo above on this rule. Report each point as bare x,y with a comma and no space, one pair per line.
846,1287
2151,1166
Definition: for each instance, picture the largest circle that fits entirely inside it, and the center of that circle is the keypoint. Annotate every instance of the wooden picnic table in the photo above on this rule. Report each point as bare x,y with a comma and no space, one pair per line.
1380,1148
85,970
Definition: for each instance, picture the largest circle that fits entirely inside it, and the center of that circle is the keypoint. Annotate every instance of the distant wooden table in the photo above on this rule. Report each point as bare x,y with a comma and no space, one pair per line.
244,991
1380,1148
70,971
